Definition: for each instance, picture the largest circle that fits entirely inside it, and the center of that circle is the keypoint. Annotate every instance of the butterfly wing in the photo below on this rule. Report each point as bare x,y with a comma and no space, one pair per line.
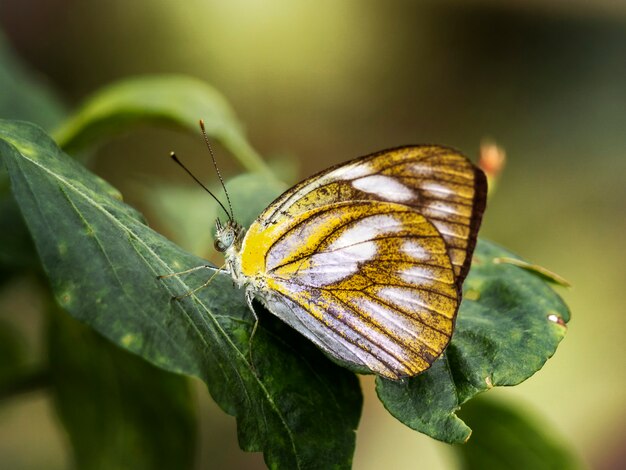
439,182
369,282
367,258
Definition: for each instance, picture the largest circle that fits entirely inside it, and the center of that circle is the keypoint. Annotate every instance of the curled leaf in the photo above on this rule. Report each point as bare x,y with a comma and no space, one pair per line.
172,99
534,268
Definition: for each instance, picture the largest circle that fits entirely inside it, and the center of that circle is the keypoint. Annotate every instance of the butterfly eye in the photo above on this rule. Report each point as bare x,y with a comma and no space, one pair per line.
219,245
224,239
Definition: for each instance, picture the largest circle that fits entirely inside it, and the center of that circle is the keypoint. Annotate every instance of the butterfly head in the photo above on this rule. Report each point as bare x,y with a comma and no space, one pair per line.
227,235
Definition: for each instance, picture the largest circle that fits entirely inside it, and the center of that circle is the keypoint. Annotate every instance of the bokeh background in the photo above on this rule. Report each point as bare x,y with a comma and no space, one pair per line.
321,82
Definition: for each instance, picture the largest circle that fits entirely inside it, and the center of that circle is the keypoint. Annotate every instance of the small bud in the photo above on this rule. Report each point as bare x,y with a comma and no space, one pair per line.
492,161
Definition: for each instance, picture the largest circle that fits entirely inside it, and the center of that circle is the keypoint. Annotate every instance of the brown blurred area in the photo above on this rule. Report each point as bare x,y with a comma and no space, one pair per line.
327,81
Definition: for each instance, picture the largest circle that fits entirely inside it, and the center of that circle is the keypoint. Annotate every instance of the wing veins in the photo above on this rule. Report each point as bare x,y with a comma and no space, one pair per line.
408,314
378,259
349,340
330,234
383,237
363,291
460,203
433,179
399,343
407,285
433,152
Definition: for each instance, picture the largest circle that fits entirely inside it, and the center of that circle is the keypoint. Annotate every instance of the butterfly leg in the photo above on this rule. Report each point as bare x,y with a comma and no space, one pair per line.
202,266
193,291
249,299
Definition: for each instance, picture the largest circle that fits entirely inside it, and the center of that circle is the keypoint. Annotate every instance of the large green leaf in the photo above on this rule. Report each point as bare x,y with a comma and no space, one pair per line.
172,99
510,323
290,401
503,437
119,411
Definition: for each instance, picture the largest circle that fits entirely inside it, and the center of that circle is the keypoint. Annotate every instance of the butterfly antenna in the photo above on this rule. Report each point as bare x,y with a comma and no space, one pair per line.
219,175
175,158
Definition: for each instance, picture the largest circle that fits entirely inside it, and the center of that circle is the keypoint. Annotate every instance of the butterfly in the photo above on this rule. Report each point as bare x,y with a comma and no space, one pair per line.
367,258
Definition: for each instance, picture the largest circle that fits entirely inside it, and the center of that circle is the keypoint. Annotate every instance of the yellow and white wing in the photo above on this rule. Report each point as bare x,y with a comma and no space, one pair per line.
439,182
367,259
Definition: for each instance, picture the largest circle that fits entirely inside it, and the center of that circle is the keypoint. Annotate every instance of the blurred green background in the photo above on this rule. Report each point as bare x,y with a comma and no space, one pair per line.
322,82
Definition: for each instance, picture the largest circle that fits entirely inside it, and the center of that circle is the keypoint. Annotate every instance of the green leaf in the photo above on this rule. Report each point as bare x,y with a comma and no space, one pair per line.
506,437
510,323
426,403
119,411
169,99
291,402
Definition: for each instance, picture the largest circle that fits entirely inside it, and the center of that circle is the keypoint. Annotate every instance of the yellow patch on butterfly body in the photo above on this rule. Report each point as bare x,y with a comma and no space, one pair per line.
367,259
